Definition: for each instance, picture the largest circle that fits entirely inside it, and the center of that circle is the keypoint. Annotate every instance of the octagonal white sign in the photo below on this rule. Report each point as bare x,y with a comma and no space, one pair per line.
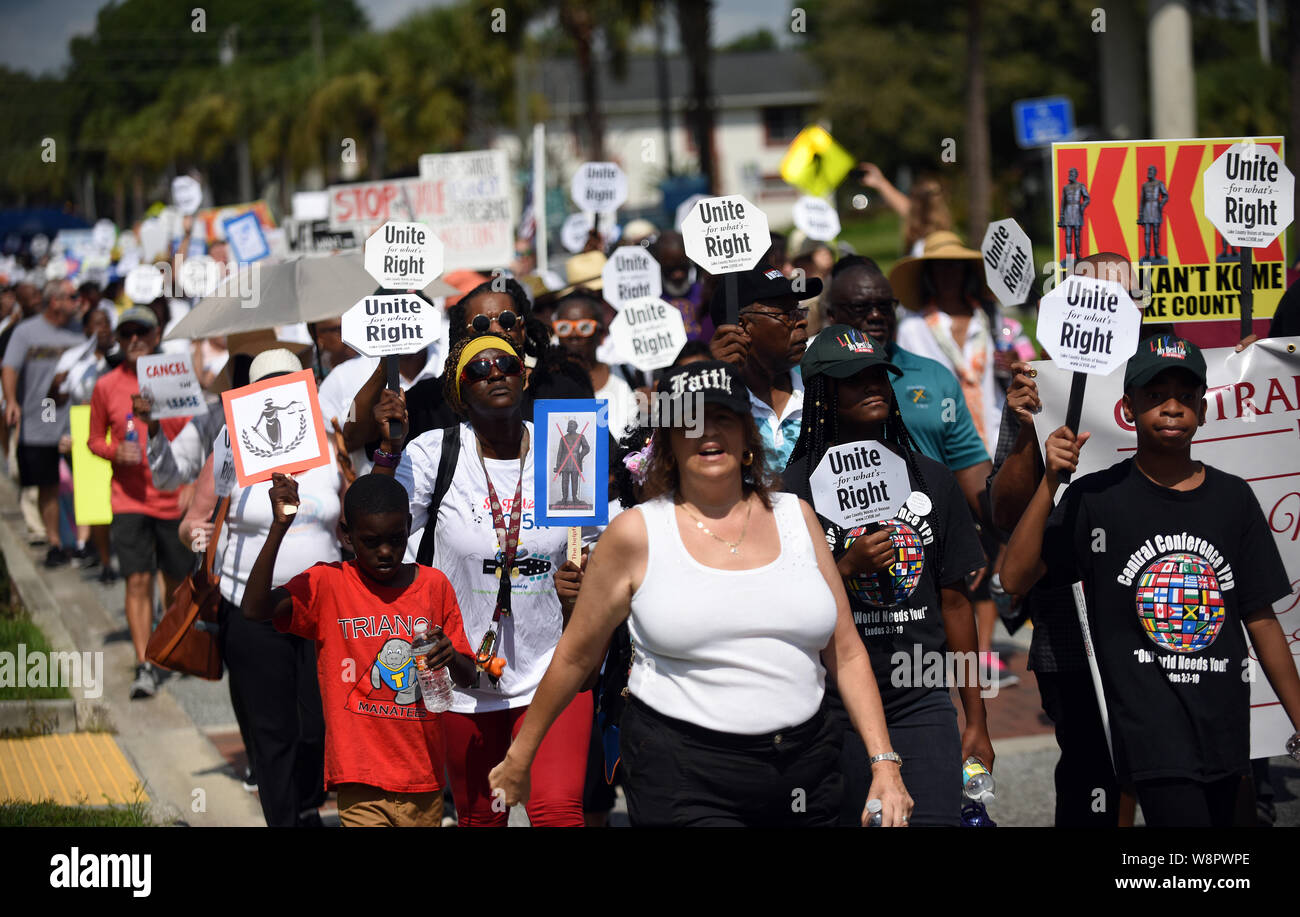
403,256
648,333
631,273
726,234
599,187
815,218
388,324
1089,325
1249,194
187,194
859,483
1008,262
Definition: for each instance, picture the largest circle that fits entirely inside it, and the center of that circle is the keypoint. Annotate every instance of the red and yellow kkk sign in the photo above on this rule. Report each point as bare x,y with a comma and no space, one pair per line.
1116,203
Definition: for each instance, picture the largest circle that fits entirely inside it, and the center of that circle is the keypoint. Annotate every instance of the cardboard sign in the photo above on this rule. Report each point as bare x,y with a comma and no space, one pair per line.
187,194
571,463
388,324
403,256
168,380
726,234
1008,262
859,483
648,333
815,163
1252,430
278,427
144,283
92,476
247,240
1089,325
223,464
464,197
631,273
1249,195
1193,274
816,219
598,187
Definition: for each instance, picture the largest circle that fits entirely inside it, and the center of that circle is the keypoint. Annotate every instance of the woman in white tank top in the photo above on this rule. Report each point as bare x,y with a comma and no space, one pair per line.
737,615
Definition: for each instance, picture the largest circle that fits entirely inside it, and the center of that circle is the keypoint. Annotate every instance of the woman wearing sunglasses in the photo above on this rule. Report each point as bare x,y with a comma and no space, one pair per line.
578,325
503,568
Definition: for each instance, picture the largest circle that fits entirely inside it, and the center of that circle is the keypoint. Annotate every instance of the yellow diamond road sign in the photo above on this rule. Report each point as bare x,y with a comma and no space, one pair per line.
815,163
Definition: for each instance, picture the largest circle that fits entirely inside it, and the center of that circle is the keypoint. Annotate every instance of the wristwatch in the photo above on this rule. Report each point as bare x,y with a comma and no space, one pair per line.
887,756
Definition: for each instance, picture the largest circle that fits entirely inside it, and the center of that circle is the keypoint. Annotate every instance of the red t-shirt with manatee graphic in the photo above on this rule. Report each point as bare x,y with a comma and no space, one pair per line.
377,729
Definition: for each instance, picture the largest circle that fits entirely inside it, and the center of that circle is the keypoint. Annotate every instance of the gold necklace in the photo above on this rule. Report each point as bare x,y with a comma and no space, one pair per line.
733,545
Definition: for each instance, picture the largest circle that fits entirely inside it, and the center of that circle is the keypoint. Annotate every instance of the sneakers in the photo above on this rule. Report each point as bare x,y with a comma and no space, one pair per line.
107,576
250,780
56,557
89,557
146,681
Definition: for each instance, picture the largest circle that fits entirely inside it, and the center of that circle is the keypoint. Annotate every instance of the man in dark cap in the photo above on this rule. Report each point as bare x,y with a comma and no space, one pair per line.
766,347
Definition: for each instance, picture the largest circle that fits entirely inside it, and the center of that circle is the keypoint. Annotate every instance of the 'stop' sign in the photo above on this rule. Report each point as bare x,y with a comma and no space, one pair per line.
726,234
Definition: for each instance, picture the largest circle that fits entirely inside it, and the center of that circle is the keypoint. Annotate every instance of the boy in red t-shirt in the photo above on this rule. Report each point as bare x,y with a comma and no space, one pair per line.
383,748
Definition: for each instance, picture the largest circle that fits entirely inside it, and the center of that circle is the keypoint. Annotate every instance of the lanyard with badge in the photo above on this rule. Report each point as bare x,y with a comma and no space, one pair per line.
508,541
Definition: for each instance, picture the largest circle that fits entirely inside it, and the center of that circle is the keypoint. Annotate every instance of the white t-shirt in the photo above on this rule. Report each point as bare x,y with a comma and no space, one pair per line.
736,651
311,538
467,552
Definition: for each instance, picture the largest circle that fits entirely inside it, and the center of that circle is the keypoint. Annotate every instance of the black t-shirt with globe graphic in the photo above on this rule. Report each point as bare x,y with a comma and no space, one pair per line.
899,615
1167,575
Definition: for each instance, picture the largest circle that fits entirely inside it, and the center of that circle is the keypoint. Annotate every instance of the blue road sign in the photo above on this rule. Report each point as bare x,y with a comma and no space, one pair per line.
1042,122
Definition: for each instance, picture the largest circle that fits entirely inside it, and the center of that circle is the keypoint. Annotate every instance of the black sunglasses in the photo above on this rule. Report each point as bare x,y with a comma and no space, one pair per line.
480,369
506,320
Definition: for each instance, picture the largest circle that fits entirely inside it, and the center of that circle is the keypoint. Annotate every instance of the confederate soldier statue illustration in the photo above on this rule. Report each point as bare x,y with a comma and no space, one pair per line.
570,451
270,431
1074,200
1151,213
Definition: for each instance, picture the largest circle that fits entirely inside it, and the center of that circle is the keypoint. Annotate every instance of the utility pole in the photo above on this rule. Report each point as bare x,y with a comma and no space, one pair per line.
1171,68
229,51
661,79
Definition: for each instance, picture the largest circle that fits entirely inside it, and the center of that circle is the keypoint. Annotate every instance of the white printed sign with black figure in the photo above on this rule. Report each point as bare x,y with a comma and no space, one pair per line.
859,483
276,426
168,380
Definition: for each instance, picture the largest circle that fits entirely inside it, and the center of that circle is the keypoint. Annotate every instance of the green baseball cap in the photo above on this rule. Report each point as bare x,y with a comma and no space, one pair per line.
138,315
1160,352
839,351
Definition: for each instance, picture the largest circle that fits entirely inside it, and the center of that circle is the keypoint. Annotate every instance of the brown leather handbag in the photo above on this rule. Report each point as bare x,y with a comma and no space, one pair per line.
186,639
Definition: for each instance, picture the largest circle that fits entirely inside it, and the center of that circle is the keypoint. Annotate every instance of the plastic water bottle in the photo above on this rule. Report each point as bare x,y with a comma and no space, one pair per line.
977,786
874,806
977,782
435,684
131,435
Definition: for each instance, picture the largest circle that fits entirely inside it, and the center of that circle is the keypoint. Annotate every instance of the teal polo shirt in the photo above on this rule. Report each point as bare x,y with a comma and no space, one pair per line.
934,409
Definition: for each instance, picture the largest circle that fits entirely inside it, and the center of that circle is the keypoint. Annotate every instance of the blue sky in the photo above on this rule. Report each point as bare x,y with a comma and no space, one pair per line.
35,33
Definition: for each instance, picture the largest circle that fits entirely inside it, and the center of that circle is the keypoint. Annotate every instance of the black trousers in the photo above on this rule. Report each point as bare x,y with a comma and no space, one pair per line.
1087,793
277,702
1180,803
679,775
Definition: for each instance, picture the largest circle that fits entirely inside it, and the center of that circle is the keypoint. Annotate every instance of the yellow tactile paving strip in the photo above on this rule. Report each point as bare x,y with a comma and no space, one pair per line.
69,769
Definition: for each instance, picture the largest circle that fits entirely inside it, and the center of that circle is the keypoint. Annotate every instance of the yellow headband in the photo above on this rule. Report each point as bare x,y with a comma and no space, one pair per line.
476,347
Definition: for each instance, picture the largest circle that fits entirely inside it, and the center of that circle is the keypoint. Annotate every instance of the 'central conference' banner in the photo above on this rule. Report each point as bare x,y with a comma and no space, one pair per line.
1200,281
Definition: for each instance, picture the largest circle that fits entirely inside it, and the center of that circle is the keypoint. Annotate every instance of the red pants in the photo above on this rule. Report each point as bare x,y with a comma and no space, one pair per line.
477,742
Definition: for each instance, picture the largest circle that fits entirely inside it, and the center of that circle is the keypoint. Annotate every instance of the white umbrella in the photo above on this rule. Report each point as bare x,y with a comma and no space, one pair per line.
307,288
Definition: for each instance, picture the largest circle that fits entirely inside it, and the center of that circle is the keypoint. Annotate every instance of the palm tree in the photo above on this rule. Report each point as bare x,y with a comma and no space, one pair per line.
694,23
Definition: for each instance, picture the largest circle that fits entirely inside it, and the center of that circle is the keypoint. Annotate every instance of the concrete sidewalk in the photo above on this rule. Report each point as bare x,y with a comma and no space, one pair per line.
186,778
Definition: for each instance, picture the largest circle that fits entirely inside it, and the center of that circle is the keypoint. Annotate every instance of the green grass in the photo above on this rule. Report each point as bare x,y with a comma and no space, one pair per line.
51,815
15,628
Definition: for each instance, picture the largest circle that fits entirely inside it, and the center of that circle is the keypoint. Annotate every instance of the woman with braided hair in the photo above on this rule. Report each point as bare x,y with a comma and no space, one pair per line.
905,579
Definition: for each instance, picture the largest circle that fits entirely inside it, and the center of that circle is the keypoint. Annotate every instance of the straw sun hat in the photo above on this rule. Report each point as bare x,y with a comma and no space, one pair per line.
943,245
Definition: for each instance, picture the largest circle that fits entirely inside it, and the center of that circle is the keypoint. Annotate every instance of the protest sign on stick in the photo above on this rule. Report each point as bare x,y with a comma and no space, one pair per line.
856,484
1249,197
648,333
631,273
1088,326
275,426
168,380
571,466
724,235
816,218
1008,262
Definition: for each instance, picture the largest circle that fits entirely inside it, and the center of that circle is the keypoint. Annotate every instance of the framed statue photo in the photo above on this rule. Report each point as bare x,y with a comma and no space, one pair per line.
571,461
275,425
